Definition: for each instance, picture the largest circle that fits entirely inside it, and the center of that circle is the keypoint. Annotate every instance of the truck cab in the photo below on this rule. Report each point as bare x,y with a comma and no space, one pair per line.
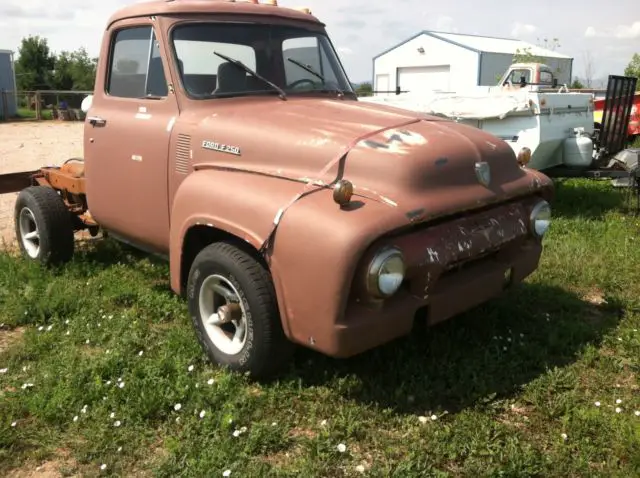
226,137
533,76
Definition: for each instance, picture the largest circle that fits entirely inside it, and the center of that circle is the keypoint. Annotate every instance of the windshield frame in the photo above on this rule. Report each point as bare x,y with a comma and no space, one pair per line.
314,29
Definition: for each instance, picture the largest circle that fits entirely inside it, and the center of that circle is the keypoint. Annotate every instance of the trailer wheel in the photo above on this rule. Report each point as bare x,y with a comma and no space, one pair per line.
233,307
43,226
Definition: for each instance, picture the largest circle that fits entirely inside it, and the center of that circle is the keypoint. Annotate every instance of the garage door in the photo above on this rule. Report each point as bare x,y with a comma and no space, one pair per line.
424,78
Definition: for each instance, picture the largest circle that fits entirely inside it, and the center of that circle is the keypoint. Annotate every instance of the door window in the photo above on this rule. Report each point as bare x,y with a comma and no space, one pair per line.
136,69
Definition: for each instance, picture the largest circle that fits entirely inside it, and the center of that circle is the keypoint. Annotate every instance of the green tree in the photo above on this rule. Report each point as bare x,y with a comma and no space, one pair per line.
364,89
74,71
34,65
576,85
633,69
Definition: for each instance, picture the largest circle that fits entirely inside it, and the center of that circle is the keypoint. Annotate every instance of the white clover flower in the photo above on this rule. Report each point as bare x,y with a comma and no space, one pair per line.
422,419
618,401
113,415
237,433
141,353
13,424
342,447
637,413
202,414
177,407
119,449
190,368
360,468
103,467
226,473
4,370
121,385
210,381
117,423
50,327
273,424
434,417
618,409
597,404
75,419
323,423
564,436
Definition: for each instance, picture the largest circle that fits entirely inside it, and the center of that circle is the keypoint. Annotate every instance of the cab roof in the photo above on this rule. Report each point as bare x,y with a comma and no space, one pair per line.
177,7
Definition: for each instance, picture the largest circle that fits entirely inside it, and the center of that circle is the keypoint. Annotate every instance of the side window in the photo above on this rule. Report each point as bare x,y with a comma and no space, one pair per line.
136,69
516,76
546,77
309,52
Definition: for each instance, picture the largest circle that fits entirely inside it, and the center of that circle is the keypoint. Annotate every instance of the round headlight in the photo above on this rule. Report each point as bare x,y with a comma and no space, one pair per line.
540,218
386,273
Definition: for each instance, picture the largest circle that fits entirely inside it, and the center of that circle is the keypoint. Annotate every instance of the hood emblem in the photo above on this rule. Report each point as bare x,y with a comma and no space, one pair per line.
223,148
483,173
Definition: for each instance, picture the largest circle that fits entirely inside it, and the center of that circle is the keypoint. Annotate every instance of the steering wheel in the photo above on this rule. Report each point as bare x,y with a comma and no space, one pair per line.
300,81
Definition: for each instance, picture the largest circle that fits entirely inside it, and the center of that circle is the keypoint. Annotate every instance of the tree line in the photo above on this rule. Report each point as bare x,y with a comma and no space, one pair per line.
37,68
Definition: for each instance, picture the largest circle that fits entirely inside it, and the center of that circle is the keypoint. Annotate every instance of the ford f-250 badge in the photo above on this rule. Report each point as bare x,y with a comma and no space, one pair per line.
223,148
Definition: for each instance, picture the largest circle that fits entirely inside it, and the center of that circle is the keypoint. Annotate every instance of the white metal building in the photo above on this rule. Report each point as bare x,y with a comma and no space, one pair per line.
452,62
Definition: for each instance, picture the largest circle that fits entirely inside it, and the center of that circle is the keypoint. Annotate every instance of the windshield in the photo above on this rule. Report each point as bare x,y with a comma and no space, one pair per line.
297,60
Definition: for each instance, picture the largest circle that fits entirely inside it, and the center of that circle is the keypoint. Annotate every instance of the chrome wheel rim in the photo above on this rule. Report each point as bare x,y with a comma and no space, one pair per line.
29,232
222,314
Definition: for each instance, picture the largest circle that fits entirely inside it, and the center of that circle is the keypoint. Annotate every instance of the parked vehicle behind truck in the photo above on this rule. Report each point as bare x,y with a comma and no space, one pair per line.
559,131
226,137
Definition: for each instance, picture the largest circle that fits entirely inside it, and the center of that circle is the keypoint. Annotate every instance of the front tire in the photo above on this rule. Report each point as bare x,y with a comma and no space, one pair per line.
43,226
233,307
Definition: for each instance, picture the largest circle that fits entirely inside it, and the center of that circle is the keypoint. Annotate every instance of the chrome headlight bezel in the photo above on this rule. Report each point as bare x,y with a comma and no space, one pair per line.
540,218
390,256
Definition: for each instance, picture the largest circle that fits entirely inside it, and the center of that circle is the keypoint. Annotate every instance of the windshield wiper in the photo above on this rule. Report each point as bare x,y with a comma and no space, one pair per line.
315,73
282,95
306,67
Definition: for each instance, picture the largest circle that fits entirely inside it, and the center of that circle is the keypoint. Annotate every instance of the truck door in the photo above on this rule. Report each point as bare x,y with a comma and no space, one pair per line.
127,137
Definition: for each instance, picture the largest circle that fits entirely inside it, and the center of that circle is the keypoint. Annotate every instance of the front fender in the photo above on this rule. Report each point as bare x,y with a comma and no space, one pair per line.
240,204
316,246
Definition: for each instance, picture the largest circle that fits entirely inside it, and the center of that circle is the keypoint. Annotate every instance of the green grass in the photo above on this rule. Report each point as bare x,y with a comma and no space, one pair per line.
504,381
26,113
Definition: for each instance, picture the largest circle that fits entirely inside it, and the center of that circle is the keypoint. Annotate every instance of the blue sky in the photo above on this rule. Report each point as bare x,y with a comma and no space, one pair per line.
360,29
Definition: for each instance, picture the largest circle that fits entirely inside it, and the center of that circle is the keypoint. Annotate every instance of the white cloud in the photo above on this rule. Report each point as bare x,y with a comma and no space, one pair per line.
590,32
631,31
622,32
522,29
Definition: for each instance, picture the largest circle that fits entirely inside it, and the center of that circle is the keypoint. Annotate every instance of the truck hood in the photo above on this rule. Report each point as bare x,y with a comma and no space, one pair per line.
389,154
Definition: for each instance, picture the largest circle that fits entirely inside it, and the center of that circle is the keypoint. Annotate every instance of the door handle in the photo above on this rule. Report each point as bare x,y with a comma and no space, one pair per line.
96,120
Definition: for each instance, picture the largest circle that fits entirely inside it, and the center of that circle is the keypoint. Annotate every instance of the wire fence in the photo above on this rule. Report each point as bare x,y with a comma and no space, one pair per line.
61,105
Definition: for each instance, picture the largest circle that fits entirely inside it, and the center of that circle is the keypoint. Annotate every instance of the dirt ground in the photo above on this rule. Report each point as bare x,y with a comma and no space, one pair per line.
28,145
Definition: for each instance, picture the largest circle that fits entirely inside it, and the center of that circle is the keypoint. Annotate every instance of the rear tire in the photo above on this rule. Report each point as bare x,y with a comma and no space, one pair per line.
43,226
224,274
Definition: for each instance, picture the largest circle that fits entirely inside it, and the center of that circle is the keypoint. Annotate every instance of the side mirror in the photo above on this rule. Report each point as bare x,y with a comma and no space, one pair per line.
555,82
